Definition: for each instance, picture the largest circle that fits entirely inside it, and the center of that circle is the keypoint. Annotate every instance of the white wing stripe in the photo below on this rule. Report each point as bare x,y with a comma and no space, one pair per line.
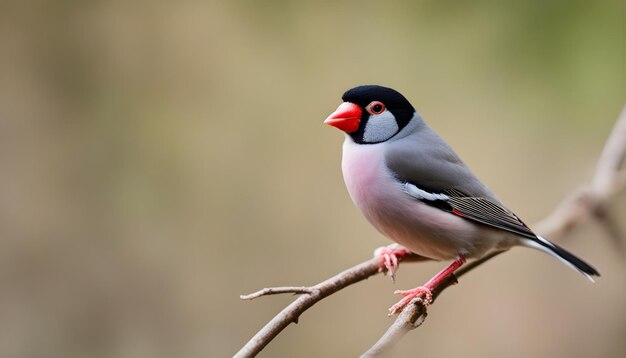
420,194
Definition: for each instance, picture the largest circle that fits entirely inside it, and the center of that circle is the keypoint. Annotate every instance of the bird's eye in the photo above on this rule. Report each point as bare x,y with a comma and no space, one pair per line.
375,107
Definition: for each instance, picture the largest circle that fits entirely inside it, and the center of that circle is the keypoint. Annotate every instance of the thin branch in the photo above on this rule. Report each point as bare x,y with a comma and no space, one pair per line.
313,295
591,200
414,314
611,158
277,291
587,203
411,317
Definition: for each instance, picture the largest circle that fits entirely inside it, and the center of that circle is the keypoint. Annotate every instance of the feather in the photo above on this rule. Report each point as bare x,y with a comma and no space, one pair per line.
478,209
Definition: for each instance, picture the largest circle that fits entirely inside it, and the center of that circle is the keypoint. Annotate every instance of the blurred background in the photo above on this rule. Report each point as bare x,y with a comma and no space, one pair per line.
159,160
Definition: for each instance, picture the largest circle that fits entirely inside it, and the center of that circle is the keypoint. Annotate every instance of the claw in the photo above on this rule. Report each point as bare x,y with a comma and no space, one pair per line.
390,260
421,292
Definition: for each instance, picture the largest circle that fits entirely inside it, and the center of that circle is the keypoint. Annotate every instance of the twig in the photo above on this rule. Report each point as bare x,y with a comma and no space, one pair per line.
415,312
611,158
411,317
588,202
591,200
276,291
310,296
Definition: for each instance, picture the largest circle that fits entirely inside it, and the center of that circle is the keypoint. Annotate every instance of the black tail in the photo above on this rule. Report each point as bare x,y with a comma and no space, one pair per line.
563,255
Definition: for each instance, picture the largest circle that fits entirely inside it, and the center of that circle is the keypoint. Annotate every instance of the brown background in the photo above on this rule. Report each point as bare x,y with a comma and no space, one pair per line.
158,160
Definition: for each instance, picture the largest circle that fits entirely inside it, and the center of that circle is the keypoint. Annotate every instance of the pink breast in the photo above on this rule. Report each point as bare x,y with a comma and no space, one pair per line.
366,177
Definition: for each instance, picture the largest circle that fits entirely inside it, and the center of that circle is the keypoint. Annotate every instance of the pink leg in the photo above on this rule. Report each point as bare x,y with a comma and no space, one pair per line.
389,260
427,289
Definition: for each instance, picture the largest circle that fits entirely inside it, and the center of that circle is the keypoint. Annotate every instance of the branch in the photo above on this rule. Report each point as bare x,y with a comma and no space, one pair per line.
414,314
611,159
310,296
276,291
587,203
591,201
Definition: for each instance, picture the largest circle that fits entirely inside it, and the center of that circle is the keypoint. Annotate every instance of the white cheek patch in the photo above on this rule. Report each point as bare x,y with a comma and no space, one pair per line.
380,127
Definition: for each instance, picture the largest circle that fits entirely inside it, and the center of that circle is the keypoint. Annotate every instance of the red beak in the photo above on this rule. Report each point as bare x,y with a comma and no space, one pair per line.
347,117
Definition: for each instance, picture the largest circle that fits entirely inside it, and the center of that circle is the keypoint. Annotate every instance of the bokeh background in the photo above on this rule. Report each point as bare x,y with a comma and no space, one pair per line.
159,159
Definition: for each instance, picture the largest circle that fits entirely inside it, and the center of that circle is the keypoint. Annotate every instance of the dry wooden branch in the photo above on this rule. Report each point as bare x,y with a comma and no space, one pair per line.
590,202
311,296
278,290
415,312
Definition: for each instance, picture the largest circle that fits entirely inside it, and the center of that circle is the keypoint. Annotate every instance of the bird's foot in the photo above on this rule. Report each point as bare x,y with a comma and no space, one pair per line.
422,292
389,259
426,292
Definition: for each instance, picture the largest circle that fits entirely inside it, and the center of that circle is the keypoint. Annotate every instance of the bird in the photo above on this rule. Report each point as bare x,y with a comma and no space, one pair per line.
413,188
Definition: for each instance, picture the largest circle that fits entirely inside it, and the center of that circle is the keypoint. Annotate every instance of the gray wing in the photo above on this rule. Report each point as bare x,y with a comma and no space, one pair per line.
433,173
425,159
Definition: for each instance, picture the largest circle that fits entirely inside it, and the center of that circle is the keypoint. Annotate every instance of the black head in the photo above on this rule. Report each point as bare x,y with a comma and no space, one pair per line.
372,114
